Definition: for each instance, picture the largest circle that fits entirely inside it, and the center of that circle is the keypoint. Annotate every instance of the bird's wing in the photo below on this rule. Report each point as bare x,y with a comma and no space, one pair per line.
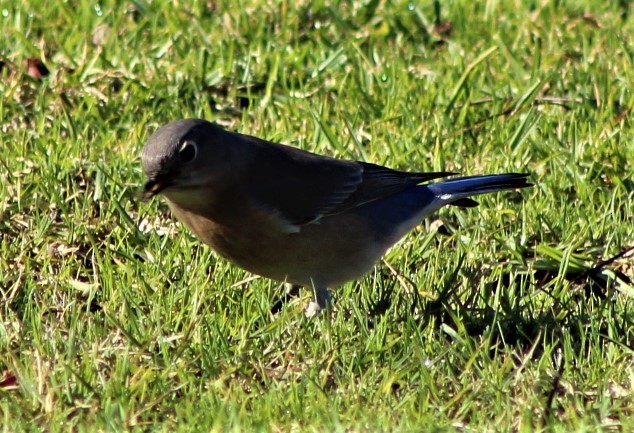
301,187
378,181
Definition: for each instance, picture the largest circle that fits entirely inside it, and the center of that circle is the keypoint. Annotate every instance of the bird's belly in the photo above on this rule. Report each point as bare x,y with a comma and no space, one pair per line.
332,251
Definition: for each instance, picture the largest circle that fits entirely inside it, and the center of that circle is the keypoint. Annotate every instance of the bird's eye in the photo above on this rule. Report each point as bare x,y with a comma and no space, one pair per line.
188,151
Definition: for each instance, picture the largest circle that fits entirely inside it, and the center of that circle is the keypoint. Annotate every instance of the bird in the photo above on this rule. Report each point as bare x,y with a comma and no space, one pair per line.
292,215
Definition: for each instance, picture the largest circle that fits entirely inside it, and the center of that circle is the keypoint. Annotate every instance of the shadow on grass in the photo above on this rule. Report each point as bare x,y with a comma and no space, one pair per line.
516,322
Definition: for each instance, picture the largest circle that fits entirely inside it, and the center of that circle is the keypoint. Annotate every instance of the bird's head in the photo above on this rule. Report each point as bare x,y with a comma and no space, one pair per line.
184,156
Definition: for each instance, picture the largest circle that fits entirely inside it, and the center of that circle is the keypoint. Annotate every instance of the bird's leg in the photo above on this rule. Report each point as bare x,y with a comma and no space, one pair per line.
291,291
322,301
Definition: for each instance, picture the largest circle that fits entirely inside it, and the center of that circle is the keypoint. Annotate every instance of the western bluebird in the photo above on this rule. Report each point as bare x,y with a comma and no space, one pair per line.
291,215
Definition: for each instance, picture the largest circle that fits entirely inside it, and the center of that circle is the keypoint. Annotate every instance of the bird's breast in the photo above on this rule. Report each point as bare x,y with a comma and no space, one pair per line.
336,249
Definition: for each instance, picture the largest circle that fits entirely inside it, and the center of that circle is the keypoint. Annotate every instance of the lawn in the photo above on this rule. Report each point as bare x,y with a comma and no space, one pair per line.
517,315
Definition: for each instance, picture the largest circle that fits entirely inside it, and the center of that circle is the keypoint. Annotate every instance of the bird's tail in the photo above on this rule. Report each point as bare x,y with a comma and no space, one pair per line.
457,191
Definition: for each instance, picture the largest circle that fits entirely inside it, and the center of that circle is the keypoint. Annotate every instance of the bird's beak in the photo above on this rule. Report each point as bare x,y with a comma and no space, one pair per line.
156,185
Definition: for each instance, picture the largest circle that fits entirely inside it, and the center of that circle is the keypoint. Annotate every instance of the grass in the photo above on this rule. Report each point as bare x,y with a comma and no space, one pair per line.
499,318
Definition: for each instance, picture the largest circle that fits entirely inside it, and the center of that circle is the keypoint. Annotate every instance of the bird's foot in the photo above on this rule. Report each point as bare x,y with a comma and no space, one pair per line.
322,301
312,309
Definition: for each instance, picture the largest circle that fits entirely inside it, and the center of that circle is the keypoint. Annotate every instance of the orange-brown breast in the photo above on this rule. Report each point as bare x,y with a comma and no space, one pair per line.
331,251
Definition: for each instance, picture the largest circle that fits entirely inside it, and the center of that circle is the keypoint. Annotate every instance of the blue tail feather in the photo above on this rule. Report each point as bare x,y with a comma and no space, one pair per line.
454,190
